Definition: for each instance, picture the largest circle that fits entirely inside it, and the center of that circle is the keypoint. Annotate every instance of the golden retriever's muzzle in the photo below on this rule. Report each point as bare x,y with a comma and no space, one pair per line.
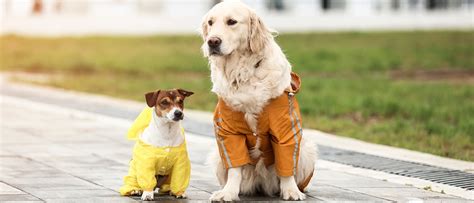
214,44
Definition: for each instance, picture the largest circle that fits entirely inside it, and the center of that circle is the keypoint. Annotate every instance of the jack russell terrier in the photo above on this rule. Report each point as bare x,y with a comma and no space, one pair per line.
160,159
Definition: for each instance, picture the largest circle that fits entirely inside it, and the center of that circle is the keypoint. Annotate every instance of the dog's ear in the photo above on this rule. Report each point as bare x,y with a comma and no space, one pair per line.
259,35
151,98
204,27
185,93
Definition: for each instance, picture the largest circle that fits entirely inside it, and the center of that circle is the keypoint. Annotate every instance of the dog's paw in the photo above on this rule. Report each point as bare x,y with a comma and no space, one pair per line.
222,195
181,196
147,195
292,194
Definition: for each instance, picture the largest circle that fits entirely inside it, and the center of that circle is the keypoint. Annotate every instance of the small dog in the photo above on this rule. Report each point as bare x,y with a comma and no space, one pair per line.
160,159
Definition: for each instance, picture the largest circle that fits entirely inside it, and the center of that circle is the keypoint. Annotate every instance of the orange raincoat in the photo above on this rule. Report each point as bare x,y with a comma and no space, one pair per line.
279,129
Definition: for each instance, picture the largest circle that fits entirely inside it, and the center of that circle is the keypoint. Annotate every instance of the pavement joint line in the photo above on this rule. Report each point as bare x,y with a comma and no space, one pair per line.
200,189
67,173
96,155
104,117
376,197
18,188
314,197
75,176
66,110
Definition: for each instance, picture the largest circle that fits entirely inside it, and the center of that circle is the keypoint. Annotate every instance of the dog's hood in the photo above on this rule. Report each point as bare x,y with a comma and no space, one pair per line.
295,83
140,123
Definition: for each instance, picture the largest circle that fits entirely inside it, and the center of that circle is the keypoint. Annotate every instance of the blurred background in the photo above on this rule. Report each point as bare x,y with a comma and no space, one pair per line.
394,72
73,17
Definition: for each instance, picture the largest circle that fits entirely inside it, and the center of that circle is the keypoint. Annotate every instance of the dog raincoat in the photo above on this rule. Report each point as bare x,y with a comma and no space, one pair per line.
278,129
149,161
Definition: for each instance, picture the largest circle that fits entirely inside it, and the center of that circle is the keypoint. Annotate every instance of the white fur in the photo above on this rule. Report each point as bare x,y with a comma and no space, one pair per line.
265,178
170,115
250,71
289,189
231,190
148,195
162,132
182,196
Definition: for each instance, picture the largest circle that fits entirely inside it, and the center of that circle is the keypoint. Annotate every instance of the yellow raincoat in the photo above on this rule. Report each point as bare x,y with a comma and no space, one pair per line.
149,161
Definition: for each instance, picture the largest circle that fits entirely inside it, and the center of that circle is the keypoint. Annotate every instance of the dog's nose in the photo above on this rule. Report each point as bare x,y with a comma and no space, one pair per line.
178,114
214,42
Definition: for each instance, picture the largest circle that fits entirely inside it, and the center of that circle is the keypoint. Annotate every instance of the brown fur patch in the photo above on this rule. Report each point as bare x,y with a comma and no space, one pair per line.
165,100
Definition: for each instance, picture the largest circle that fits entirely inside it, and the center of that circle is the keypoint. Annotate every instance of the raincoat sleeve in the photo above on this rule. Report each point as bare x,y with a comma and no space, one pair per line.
180,174
286,130
231,142
145,166
140,123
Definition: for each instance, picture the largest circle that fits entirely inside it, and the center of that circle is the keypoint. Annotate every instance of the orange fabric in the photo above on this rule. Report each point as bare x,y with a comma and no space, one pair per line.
279,129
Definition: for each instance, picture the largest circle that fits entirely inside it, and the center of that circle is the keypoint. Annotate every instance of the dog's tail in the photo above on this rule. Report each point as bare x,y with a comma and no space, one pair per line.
307,162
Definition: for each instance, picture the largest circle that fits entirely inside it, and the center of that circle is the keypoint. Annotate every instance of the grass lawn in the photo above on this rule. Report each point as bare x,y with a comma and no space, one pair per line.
406,89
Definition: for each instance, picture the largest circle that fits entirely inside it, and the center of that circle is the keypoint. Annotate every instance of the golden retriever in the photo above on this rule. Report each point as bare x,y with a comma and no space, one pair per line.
248,69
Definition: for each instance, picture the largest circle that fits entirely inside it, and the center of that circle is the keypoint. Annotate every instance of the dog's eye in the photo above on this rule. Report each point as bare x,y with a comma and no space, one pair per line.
164,103
209,22
231,22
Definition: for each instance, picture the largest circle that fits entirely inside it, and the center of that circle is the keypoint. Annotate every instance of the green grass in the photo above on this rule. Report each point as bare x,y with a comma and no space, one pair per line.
348,88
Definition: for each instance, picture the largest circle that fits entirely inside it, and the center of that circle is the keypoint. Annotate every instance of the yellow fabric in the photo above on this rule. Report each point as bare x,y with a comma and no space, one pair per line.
140,123
149,161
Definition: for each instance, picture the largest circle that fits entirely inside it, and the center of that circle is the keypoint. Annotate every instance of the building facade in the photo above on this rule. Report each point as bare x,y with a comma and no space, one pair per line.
183,16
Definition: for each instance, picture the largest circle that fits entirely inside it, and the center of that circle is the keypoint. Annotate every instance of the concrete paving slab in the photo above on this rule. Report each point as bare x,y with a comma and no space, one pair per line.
76,193
17,197
92,200
32,173
51,184
352,181
406,194
88,170
337,194
9,190
22,201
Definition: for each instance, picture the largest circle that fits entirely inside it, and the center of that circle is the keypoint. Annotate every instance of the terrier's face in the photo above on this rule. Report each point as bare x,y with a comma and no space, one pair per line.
168,104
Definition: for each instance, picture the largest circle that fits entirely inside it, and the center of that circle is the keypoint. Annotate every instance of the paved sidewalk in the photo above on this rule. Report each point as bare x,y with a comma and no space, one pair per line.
56,154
